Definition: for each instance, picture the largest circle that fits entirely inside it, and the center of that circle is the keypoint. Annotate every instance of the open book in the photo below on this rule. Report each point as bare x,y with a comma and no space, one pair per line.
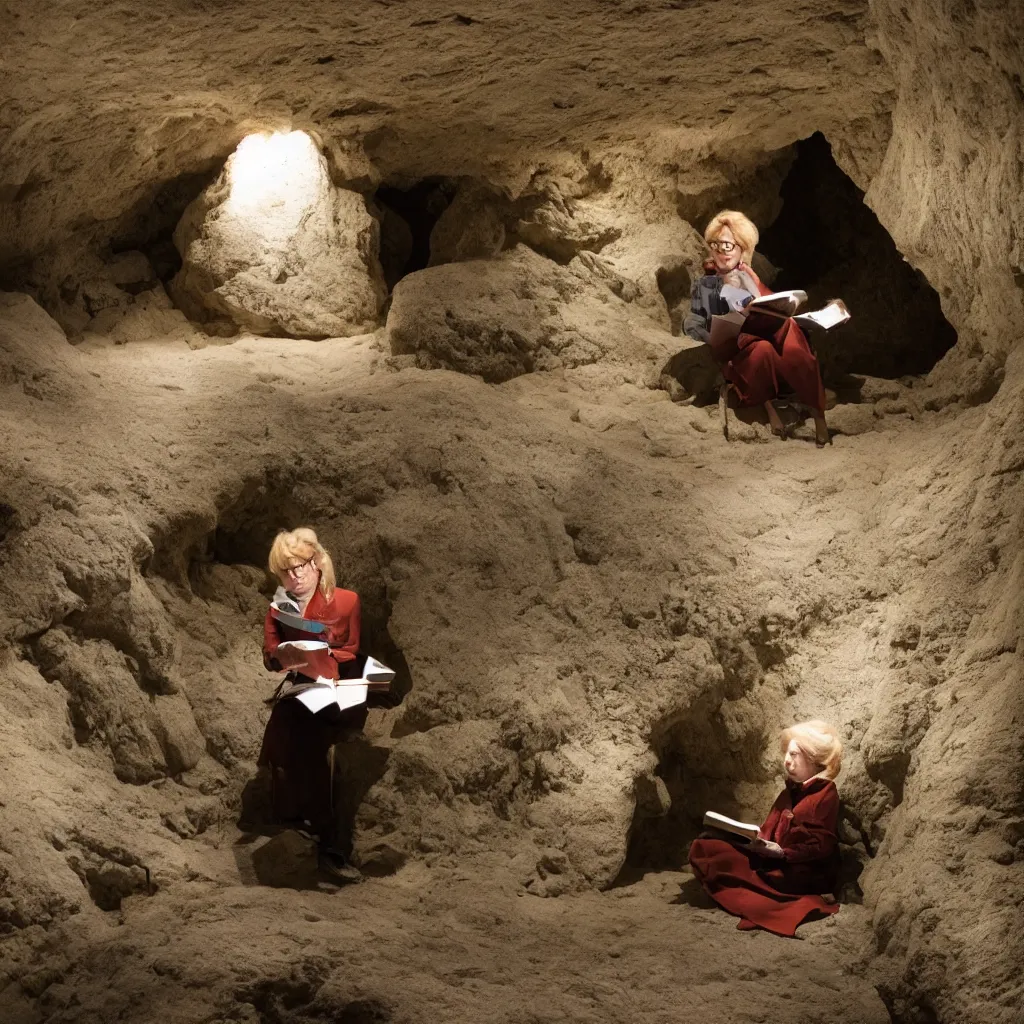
310,657
783,304
832,314
780,303
287,613
765,313
739,829
323,690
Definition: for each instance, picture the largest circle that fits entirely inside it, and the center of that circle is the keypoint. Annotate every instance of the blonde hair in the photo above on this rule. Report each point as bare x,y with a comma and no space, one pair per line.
818,740
741,226
302,544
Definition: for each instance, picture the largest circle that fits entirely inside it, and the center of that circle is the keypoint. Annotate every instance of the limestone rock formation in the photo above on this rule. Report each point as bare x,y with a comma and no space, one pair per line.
274,247
552,221
518,313
471,227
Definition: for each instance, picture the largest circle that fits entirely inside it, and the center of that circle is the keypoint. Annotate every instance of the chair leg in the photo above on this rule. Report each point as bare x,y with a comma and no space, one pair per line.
331,764
723,407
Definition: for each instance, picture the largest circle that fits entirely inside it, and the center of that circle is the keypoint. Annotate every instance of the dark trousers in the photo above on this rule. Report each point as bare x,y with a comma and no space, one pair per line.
295,748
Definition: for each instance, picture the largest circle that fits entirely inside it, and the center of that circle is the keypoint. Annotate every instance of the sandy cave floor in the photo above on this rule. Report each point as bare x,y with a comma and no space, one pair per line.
463,941
446,944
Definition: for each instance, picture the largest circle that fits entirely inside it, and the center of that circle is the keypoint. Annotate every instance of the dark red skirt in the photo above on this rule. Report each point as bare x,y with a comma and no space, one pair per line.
765,366
754,889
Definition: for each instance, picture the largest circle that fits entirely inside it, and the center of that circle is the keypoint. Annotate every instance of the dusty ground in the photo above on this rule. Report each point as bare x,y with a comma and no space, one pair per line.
456,926
433,944
560,635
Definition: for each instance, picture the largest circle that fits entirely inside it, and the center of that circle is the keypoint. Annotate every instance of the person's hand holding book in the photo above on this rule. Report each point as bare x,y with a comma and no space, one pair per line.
766,848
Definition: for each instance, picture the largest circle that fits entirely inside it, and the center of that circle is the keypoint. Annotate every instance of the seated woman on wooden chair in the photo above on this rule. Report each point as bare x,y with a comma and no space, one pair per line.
761,366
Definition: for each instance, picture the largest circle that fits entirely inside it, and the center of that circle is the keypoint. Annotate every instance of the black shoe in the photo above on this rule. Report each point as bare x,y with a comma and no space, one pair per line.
333,863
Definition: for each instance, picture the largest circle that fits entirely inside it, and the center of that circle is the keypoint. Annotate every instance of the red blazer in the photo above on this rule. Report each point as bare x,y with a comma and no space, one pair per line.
803,822
341,615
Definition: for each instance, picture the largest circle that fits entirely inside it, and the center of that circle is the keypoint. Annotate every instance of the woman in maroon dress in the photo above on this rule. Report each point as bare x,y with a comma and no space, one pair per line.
764,362
775,882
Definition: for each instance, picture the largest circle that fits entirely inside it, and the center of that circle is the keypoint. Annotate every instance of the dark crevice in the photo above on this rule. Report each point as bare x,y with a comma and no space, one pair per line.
828,242
907,1011
9,521
674,285
408,216
699,770
150,225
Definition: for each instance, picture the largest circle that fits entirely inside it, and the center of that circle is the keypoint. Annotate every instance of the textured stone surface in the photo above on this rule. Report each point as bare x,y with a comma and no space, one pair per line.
585,582
471,227
521,312
272,246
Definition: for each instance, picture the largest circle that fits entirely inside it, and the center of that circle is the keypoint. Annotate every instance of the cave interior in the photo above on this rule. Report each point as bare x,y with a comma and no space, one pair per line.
417,280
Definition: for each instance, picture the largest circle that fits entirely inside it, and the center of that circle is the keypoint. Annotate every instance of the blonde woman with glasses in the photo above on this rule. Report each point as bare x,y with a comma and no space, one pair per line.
297,742
763,363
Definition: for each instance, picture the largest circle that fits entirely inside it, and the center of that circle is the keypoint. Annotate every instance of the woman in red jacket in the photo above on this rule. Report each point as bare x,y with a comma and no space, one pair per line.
296,742
775,881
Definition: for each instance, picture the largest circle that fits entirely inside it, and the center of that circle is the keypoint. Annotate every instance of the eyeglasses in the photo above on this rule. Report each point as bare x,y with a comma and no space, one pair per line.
295,570
718,246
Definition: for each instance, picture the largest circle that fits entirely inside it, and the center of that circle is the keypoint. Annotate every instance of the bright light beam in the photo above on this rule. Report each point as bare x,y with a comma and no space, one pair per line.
276,175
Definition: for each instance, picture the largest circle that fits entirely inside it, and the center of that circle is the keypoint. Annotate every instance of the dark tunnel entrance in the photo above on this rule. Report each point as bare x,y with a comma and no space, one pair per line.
407,217
828,242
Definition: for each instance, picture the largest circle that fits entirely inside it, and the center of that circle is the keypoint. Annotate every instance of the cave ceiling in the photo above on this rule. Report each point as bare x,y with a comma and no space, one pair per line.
103,103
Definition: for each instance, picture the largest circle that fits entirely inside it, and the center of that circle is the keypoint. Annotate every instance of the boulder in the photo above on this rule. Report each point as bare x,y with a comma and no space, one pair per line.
853,419
471,227
553,220
695,370
273,247
520,312
106,706
287,861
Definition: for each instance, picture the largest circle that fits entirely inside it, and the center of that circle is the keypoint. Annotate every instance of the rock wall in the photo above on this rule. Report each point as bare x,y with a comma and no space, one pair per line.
948,189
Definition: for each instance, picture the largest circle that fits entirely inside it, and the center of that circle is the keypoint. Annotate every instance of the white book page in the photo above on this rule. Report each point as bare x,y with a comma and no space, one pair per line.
344,694
375,671
828,316
794,294
713,818
786,302
348,694
316,698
